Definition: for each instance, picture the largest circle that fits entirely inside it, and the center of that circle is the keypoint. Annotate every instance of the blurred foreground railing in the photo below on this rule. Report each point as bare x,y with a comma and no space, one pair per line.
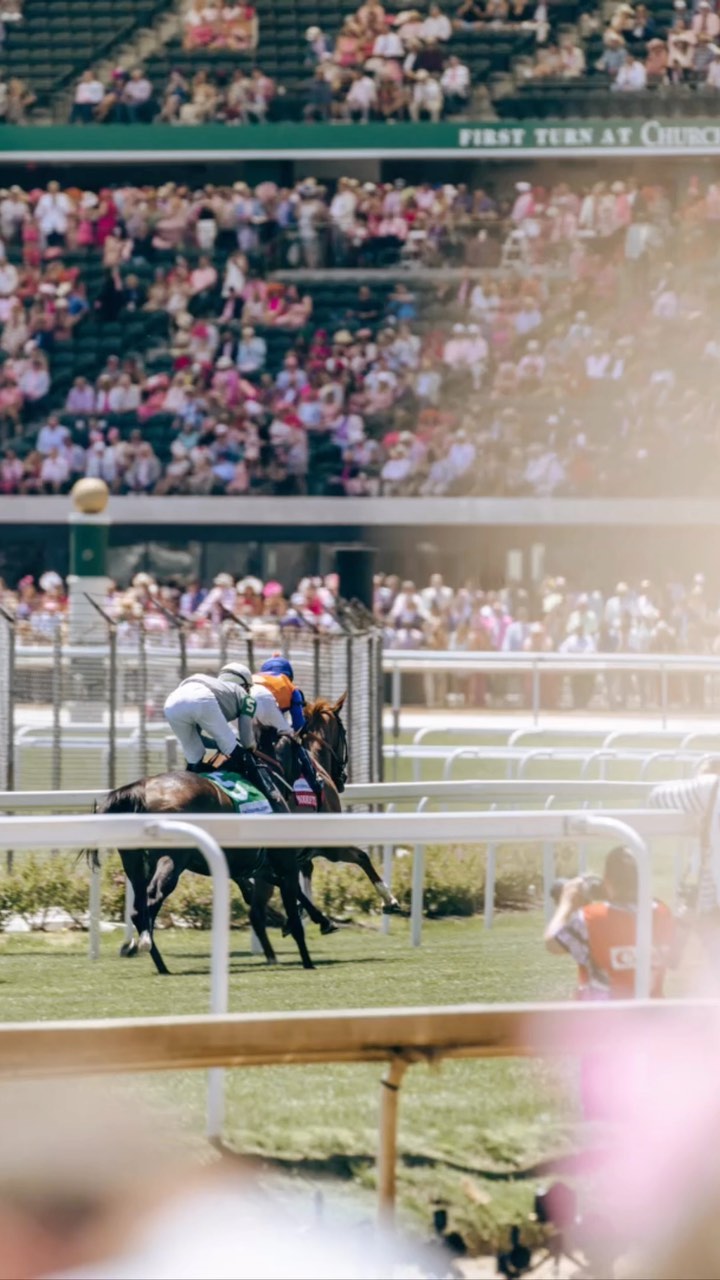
398,1037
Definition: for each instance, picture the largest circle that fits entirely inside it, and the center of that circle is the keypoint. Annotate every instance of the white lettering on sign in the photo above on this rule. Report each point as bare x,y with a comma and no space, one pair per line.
624,958
652,134
490,138
679,136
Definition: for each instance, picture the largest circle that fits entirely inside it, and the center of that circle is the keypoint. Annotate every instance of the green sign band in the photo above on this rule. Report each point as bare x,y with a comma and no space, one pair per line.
503,140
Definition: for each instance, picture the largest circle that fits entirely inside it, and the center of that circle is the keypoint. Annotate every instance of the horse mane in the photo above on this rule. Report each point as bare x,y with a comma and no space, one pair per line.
127,799
317,709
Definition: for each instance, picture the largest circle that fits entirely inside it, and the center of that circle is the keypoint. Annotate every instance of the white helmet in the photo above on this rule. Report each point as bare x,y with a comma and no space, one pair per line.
237,673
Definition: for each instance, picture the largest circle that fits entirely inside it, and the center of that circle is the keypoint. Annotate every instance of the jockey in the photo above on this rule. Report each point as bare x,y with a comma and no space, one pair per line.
212,703
277,676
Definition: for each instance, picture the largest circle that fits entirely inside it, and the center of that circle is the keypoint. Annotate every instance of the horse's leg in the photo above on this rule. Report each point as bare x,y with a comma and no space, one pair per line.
164,881
273,918
261,894
134,867
306,873
289,894
315,914
359,858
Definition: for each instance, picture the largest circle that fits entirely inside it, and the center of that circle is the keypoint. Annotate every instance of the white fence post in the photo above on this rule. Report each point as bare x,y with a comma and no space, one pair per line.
188,833
418,879
387,875
94,910
490,870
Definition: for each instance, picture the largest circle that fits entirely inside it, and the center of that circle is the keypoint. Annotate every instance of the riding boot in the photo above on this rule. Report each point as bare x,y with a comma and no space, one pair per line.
243,762
199,767
309,771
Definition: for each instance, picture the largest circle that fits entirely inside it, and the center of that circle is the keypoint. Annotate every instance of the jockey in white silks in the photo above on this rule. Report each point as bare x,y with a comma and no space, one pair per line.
699,796
212,704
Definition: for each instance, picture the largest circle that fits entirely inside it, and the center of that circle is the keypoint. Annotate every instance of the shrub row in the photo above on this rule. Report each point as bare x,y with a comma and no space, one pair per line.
454,886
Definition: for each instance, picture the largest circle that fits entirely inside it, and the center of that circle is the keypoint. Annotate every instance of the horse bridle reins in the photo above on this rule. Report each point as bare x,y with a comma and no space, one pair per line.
339,757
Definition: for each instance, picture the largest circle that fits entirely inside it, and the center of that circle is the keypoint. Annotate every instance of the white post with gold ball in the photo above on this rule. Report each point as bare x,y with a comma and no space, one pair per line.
89,528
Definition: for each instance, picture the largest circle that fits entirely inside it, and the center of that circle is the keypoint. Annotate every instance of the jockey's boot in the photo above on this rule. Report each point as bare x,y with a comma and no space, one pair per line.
308,770
200,767
243,762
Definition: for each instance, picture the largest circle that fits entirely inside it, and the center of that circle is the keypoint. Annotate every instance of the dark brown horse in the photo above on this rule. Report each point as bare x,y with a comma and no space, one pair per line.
154,874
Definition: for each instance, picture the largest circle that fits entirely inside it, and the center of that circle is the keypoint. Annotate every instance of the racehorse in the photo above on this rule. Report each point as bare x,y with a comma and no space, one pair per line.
154,874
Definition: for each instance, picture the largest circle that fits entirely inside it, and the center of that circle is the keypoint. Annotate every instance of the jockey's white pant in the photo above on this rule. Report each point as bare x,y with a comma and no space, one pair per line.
193,707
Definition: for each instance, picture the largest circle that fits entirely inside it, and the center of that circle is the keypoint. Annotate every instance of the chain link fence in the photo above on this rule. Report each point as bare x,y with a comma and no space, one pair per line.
81,716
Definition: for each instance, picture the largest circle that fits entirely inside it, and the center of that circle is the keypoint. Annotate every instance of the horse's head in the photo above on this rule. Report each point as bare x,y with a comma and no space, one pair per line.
326,739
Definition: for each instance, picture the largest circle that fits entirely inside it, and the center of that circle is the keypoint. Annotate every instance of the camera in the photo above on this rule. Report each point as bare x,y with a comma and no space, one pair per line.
593,888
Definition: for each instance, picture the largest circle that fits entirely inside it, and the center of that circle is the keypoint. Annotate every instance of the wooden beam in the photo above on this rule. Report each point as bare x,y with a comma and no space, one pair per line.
369,1035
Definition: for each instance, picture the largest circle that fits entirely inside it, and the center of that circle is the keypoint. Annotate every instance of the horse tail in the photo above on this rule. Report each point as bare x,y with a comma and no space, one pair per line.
128,799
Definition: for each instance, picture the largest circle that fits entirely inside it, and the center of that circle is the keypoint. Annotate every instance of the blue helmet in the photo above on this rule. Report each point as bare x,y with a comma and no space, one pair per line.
278,666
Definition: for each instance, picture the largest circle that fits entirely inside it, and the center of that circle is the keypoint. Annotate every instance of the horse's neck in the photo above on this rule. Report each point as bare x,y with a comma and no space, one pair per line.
320,753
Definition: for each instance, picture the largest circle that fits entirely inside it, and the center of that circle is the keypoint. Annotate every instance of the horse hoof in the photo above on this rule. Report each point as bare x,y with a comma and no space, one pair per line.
129,949
144,943
392,908
328,926
309,965
271,959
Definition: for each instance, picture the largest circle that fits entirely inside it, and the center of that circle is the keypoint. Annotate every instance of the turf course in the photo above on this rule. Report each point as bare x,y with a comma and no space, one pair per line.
469,1132
476,1135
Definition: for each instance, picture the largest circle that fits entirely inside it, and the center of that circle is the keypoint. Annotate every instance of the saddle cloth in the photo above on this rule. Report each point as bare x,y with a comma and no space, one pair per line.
245,798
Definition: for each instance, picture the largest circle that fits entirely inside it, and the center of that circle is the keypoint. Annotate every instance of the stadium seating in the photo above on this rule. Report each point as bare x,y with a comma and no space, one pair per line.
59,39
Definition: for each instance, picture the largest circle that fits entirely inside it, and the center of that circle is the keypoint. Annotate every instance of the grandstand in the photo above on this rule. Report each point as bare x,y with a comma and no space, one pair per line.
383,341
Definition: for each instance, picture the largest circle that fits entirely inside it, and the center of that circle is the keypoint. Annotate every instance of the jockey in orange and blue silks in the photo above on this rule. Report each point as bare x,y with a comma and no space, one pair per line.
277,675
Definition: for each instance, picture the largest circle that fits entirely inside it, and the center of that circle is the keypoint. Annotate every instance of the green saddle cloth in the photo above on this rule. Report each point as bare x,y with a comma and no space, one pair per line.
245,798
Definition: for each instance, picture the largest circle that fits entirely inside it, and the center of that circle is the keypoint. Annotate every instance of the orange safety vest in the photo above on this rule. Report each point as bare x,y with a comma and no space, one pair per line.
612,938
281,687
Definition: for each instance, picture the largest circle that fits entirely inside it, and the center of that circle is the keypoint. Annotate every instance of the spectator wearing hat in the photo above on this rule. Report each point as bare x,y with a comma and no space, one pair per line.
427,97
614,53
681,43
705,21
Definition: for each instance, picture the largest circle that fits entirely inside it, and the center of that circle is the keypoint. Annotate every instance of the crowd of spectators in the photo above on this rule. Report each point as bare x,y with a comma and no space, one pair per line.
594,377
230,27
399,66
377,65
267,608
388,67
551,616
128,97
639,52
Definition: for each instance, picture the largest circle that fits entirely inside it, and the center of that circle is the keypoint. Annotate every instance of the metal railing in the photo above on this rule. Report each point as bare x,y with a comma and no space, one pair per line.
209,833
660,683
150,831
397,1037
92,714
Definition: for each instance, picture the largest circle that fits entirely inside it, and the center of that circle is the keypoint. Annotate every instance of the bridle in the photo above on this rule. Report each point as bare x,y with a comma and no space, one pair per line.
339,754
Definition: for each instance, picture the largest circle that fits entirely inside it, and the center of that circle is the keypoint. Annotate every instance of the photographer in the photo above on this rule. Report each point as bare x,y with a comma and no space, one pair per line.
595,923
